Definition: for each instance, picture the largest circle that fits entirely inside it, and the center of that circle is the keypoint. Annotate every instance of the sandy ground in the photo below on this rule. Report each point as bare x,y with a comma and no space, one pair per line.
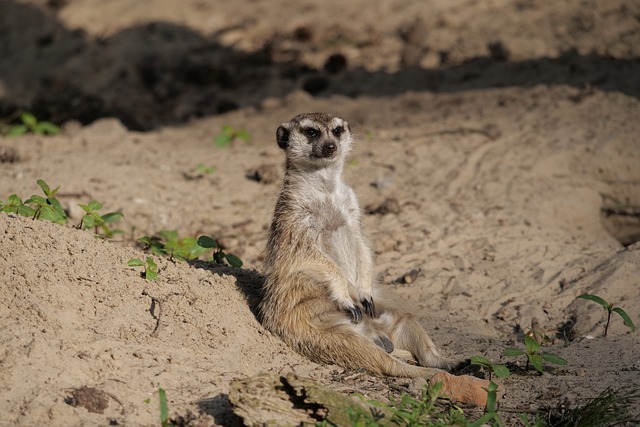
499,129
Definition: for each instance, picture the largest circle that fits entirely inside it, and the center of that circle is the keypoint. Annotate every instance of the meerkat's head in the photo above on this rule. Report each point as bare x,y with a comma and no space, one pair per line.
315,140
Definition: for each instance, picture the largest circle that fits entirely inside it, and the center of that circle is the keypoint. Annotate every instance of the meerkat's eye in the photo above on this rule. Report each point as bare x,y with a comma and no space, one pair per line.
338,131
311,132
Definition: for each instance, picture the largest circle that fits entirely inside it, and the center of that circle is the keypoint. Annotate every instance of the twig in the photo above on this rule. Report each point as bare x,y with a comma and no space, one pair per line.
154,302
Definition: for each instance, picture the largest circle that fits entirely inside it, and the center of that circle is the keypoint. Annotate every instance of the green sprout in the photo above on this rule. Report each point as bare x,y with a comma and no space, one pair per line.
230,134
15,205
610,309
48,207
93,219
491,413
150,267
31,124
500,371
219,256
164,407
535,357
206,170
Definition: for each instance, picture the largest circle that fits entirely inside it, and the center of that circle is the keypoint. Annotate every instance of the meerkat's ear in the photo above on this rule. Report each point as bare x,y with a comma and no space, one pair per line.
282,136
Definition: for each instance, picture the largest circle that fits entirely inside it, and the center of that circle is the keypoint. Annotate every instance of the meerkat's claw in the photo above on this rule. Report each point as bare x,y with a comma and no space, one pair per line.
369,307
356,314
384,342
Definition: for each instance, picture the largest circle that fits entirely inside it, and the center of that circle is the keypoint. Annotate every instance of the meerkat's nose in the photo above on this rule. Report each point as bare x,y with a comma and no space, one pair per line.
329,148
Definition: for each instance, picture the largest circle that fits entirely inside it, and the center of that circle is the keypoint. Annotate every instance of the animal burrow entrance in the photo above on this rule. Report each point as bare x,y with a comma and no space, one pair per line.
621,219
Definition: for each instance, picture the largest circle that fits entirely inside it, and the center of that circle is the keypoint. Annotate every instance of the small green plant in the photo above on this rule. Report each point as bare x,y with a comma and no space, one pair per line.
206,170
219,256
407,412
491,414
15,205
230,134
37,207
150,267
164,407
31,124
535,357
169,243
500,371
93,219
610,309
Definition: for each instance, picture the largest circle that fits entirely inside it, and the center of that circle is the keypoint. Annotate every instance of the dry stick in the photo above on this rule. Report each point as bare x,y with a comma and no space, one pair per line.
154,302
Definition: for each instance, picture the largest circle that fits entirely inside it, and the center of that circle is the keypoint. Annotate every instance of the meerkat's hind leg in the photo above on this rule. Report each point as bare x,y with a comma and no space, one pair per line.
407,334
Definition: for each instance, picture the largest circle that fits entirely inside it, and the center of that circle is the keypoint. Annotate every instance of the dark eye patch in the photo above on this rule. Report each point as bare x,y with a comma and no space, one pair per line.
311,132
338,131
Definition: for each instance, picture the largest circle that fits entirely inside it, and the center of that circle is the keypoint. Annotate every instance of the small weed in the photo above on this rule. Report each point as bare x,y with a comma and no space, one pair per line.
500,371
610,309
93,219
38,207
229,134
219,256
491,414
408,412
15,205
31,124
169,243
150,267
535,357
206,170
164,407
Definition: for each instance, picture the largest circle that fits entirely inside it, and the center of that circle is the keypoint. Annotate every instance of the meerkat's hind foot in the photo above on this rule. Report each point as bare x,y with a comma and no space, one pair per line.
384,342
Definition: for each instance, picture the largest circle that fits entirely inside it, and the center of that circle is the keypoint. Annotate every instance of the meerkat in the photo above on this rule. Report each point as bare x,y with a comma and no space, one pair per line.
319,294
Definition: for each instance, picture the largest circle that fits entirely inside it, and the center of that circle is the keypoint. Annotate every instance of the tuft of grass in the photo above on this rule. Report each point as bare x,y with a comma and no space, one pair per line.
610,308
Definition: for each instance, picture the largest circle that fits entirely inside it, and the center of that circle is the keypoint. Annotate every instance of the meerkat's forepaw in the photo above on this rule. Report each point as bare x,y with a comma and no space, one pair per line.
369,306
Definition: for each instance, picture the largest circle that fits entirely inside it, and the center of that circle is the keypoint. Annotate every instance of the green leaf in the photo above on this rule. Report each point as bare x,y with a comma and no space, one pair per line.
44,186
243,135
150,274
29,119
57,206
151,263
532,345
95,205
554,358
492,396
135,262
234,261
625,317
88,221
164,408
511,351
112,217
207,242
47,128
501,371
222,140
14,200
84,207
25,211
17,130
170,235
483,420
481,361
595,298
39,200
536,361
